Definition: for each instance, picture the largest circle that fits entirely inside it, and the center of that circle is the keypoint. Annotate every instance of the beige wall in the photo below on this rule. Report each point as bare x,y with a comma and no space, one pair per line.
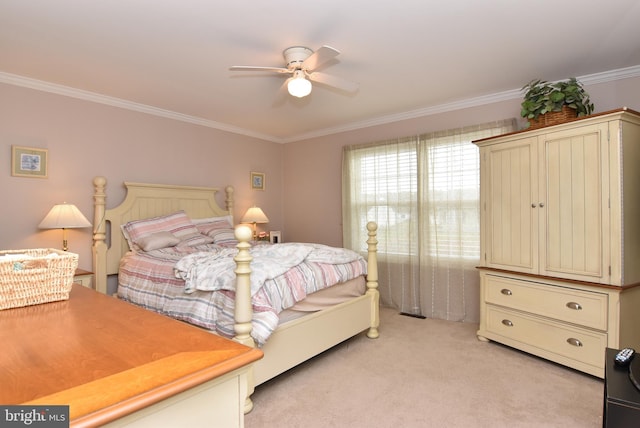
312,185
86,139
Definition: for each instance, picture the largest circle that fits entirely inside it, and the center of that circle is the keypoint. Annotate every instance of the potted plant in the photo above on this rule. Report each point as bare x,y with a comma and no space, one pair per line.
551,103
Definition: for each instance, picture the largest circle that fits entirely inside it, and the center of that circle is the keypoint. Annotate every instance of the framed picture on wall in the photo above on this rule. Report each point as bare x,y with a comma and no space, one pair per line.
257,180
29,162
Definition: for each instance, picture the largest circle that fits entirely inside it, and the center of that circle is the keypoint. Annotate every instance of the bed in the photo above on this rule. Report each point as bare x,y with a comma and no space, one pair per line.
295,339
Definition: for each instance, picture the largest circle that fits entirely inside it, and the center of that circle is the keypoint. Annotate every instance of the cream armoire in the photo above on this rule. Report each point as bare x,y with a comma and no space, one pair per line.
560,239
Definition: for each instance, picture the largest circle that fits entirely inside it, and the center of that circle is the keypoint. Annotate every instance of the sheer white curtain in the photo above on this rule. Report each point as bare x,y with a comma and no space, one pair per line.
423,192
380,183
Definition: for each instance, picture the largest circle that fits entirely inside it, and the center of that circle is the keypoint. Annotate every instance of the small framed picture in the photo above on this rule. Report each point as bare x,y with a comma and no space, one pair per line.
29,162
257,181
275,237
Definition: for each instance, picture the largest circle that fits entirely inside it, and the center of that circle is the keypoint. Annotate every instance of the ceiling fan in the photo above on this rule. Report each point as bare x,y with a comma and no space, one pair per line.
301,63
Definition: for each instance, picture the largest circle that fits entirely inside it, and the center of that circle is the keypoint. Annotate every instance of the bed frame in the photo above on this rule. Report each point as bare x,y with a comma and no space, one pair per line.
291,343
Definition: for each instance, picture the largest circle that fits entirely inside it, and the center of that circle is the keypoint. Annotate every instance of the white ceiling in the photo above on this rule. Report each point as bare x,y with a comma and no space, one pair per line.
172,57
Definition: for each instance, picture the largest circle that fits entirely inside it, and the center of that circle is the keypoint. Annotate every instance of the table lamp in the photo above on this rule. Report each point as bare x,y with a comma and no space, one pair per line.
64,216
254,215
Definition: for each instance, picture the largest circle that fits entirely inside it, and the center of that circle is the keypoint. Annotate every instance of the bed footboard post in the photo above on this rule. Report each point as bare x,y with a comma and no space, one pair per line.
372,279
99,247
243,307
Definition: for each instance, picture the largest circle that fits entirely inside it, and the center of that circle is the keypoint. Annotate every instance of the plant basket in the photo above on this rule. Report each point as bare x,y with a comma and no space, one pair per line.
553,118
31,277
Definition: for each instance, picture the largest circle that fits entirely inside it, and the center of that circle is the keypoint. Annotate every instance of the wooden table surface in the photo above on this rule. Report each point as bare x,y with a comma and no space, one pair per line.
104,357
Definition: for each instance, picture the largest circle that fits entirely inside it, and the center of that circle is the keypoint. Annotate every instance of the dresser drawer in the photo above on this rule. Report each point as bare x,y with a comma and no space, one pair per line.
584,308
571,342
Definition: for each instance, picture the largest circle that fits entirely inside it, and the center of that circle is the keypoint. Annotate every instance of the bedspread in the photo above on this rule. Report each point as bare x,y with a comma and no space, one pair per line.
213,270
282,275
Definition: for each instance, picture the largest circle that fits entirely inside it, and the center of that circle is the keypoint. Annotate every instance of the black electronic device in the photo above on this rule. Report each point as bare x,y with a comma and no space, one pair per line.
624,357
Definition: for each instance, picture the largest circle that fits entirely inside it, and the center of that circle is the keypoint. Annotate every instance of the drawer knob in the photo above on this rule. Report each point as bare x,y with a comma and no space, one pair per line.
574,342
506,292
507,323
575,306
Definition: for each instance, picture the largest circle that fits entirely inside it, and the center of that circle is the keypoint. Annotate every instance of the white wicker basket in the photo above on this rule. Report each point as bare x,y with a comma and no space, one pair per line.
34,276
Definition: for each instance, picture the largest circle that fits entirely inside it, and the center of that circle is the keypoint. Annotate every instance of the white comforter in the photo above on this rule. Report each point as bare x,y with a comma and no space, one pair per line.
209,271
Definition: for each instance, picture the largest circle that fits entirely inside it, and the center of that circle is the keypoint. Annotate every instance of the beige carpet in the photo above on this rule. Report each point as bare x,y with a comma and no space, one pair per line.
427,373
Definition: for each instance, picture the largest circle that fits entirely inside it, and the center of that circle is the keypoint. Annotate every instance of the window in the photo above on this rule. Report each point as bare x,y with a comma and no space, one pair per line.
452,198
423,192
385,180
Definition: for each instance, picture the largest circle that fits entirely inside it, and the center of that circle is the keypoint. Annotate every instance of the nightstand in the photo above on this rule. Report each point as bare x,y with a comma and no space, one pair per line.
621,398
84,278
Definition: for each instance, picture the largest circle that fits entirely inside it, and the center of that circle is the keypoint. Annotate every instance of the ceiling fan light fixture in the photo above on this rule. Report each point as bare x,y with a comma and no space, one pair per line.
298,85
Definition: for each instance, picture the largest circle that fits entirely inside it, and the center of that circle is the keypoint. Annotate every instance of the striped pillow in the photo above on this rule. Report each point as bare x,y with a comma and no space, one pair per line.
212,227
194,240
228,219
177,223
224,237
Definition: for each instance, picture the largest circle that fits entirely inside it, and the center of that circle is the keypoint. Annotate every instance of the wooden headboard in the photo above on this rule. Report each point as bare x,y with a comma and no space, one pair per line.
143,201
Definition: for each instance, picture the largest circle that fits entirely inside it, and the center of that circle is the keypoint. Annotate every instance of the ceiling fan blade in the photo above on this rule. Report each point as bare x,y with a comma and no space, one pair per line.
319,57
336,82
282,95
257,68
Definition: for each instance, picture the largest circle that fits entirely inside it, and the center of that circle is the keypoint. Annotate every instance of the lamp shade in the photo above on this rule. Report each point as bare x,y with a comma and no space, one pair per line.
64,216
254,215
298,85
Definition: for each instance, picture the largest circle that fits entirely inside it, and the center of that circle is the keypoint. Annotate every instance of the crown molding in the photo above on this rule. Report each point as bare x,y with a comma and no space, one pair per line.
39,85
590,79
413,114
611,75
16,80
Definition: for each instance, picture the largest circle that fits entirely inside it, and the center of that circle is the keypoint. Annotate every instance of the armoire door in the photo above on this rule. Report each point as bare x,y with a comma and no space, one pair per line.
509,175
574,199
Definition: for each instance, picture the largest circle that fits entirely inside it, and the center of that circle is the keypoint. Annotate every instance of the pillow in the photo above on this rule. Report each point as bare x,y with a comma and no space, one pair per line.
226,218
158,240
194,239
210,228
178,223
223,236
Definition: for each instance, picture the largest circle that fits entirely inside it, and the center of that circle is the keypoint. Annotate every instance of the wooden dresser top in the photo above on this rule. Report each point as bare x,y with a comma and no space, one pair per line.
104,357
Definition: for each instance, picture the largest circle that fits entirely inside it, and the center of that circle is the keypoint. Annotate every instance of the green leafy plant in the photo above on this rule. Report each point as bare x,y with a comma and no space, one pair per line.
541,97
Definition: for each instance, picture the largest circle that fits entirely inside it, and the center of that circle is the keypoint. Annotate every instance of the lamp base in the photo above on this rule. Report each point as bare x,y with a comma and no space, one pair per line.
65,246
